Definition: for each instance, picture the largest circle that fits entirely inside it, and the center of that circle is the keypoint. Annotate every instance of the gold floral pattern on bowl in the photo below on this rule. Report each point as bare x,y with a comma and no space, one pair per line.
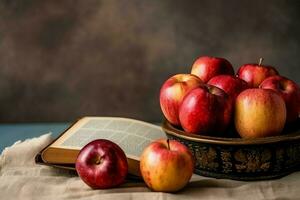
242,159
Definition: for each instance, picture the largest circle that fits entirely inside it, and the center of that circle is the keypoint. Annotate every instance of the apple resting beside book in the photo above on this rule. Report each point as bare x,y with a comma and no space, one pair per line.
102,164
166,165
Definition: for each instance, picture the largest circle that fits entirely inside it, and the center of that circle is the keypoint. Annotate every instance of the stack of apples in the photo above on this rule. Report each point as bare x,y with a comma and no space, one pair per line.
256,101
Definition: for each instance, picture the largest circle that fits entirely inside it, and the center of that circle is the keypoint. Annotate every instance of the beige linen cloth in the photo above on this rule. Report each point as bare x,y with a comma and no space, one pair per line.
21,178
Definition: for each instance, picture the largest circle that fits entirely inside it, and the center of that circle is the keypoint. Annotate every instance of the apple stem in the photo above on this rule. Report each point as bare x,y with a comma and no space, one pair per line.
260,61
168,142
98,160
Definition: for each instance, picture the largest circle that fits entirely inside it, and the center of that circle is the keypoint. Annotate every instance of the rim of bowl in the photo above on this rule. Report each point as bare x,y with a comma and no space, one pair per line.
170,129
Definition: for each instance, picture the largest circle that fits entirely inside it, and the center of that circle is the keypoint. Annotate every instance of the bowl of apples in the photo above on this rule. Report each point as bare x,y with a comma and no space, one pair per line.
242,126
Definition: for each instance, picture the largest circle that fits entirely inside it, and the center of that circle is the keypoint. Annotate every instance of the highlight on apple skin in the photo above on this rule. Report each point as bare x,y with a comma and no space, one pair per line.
206,110
172,93
166,165
102,164
289,91
259,113
206,67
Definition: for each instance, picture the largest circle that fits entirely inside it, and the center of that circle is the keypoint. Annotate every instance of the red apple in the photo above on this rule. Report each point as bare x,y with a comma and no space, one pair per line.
102,164
289,91
207,67
259,113
166,165
205,110
254,74
232,85
172,93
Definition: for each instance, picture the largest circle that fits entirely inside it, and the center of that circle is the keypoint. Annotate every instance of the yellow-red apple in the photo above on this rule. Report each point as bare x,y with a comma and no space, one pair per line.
205,110
289,91
254,74
259,113
172,93
206,67
166,165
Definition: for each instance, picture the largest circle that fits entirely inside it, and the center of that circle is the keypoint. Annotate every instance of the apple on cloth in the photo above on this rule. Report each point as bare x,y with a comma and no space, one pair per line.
166,165
259,113
206,67
102,164
289,91
172,92
254,74
205,110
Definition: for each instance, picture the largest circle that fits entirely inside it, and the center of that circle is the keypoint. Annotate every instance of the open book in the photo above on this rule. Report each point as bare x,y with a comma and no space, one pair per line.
131,135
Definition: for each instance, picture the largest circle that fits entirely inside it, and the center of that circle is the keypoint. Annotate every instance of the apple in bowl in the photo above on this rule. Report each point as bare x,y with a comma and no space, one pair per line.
289,91
172,92
259,113
166,165
102,164
232,85
255,74
205,110
206,67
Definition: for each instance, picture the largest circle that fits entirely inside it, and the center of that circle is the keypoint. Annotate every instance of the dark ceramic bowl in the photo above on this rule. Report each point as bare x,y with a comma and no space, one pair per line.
242,159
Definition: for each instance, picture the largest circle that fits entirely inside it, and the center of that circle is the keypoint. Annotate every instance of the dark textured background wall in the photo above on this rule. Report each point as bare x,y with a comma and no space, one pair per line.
60,60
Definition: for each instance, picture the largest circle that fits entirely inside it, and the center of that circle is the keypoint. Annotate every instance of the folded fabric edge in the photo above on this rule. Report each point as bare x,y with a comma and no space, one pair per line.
20,142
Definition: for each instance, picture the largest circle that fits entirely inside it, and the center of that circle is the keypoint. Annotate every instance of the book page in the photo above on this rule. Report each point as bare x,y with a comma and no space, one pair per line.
131,135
